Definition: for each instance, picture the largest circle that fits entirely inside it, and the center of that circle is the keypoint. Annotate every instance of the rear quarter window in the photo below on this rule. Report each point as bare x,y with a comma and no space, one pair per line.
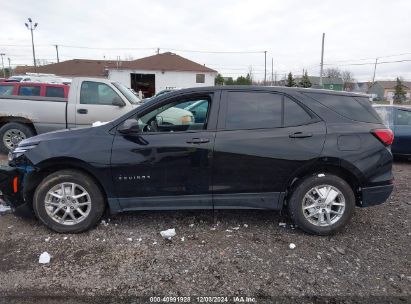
351,107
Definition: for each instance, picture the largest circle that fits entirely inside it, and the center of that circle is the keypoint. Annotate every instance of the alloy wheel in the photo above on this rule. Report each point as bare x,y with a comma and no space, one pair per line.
68,203
323,205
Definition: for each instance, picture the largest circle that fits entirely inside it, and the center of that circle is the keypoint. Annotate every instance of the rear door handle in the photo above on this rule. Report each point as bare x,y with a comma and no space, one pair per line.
82,111
301,135
198,141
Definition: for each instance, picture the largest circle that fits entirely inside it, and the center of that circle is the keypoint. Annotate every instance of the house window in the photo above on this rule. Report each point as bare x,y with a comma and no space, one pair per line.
200,78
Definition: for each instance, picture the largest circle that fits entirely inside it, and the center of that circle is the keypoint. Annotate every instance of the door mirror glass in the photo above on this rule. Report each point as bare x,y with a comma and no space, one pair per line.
129,126
117,101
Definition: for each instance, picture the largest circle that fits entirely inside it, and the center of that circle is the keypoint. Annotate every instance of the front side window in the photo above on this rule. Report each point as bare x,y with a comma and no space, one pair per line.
403,117
253,110
55,92
97,93
6,90
177,116
200,78
29,91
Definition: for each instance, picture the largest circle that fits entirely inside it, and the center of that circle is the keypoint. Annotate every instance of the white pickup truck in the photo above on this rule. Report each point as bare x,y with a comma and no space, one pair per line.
89,100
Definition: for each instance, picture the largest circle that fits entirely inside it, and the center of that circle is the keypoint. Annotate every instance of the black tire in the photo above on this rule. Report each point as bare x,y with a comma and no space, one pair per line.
26,130
81,179
295,203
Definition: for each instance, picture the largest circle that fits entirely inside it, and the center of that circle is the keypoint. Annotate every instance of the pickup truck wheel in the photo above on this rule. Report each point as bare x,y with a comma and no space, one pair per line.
68,201
322,204
12,133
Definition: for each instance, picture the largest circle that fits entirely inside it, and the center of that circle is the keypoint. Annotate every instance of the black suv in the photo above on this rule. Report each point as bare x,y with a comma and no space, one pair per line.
315,152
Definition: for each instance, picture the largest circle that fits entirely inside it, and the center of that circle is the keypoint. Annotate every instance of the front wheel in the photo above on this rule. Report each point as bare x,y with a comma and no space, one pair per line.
322,204
68,201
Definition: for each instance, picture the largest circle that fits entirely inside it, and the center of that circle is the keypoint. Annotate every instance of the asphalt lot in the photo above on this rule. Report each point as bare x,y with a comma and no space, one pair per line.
226,253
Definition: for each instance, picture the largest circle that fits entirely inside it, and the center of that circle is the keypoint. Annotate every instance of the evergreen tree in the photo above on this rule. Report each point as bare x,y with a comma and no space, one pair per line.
305,81
219,80
229,81
290,81
399,92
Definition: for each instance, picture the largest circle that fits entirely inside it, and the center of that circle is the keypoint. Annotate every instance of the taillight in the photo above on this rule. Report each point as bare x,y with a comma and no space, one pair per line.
386,136
15,180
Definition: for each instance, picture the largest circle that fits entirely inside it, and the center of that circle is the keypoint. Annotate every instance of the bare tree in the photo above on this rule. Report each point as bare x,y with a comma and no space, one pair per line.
332,73
348,79
250,72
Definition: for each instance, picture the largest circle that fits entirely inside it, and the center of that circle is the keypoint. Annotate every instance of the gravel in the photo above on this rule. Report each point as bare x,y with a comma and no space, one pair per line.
226,253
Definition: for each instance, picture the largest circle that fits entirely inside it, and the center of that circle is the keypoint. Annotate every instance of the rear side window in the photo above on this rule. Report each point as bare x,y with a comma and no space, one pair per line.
6,90
354,108
294,114
55,92
253,110
29,91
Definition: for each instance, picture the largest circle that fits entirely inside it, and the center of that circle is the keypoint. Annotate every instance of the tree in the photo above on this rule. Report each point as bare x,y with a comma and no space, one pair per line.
348,79
229,81
241,80
305,81
399,92
219,80
332,73
290,81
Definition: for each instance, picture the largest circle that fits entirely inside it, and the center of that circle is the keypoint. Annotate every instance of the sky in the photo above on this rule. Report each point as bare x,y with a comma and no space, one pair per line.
228,36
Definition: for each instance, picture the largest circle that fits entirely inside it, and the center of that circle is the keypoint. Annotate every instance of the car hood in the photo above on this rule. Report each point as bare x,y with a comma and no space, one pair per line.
66,133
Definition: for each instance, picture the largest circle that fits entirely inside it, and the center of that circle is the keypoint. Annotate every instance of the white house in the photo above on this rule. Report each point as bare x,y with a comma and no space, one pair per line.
162,71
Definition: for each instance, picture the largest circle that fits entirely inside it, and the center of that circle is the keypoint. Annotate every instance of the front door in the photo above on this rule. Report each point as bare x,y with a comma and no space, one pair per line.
262,139
167,163
96,104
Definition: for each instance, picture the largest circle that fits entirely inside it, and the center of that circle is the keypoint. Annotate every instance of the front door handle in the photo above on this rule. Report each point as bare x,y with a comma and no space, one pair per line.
82,111
301,135
198,141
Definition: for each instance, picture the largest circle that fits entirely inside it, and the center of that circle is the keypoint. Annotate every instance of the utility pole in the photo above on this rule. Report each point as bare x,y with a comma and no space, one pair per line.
375,68
57,51
272,71
10,72
322,62
32,28
265,67
2,64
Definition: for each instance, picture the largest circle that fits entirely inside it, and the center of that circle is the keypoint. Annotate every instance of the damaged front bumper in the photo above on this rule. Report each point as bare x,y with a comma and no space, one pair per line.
11,189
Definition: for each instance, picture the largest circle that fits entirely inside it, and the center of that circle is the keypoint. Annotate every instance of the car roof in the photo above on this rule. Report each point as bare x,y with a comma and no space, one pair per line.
32,83
266,89
407,107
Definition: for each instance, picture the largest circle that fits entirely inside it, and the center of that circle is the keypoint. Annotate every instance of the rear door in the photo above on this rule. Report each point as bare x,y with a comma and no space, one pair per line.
402,131
262,139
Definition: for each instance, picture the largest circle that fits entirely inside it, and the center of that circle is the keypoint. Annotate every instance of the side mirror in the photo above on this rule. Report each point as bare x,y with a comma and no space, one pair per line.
117,101
129,126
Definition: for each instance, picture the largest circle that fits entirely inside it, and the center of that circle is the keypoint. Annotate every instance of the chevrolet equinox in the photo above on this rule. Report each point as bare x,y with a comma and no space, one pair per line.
316,153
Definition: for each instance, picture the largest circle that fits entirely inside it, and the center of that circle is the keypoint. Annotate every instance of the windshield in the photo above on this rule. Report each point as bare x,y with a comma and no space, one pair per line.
127,93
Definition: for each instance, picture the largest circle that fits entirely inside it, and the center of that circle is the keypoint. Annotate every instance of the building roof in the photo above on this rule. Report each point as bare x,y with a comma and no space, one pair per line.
166,62
98,68
392,83
76,68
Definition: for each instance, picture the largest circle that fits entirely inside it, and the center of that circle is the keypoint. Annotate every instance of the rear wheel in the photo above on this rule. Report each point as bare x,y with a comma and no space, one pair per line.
322,204
12,133
68,201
